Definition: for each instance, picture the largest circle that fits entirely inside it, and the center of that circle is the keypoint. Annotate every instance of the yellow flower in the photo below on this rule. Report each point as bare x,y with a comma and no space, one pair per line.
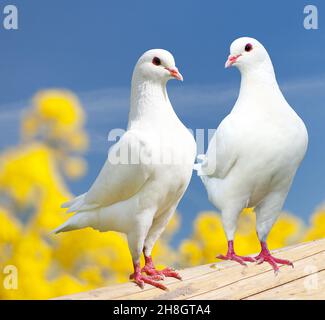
65,285
209,239
286,231
74,167
92,275
10,228
317,228
191,253
30,126
77,140
60,106
33,186
28,172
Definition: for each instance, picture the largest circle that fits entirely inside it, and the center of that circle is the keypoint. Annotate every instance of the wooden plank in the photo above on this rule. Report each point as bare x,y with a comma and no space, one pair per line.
261,282
121,290
221,277
306,288
224,280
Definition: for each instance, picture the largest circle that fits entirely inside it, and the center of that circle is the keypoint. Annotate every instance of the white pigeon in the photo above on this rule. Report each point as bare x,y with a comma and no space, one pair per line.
146,173
255,152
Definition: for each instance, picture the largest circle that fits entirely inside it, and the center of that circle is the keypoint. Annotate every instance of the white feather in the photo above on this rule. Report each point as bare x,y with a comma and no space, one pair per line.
139,198
255,152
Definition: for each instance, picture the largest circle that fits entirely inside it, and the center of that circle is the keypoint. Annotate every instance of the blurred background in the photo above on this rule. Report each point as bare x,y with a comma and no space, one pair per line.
64,84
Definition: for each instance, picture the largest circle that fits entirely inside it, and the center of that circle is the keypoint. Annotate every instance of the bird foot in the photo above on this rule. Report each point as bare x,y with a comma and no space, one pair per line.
233,256
167,272
140,280
267,257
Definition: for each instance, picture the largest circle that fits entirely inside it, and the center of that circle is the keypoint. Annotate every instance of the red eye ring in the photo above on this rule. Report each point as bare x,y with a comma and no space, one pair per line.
248,47
156,61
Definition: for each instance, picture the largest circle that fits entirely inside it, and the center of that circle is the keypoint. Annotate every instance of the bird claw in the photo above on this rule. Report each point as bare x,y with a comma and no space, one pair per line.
240,259
157,277
167,272
140,280
172,274
267,257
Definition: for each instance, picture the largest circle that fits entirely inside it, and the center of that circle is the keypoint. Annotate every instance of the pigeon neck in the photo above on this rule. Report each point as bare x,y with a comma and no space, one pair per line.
149,102
260,78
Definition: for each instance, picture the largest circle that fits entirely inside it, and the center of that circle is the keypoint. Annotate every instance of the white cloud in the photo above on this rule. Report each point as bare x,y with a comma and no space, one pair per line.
305,85
108,108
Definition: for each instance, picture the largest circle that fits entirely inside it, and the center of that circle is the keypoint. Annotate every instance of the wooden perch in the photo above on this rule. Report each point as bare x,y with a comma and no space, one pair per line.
229,280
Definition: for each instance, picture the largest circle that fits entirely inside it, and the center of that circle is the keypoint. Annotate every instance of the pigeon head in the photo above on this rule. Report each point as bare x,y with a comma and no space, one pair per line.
157,65
246,54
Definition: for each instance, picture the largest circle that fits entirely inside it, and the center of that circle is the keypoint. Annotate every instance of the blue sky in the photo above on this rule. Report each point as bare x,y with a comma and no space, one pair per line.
91,47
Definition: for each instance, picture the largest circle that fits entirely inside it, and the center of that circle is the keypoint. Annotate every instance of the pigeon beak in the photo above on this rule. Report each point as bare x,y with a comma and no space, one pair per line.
175,73
231,60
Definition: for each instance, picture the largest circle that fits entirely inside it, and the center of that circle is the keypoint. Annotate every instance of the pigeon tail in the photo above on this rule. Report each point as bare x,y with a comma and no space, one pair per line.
72,201
78,204
79,221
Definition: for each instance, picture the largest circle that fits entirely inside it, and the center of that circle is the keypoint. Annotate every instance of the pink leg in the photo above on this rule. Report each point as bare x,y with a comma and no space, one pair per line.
140,279
265,256
150,270
231,255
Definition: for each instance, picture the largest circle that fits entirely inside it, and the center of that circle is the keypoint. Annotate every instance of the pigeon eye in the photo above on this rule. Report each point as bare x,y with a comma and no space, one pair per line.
156,61
248,47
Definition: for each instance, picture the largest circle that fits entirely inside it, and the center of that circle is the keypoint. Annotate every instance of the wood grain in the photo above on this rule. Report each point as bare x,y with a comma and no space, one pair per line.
229,280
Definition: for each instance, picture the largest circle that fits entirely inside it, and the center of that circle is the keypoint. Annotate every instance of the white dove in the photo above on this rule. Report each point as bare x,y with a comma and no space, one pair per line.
147,170
255,152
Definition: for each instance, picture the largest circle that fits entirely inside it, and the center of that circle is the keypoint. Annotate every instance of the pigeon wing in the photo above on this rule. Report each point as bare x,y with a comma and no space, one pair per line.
222,154
123,174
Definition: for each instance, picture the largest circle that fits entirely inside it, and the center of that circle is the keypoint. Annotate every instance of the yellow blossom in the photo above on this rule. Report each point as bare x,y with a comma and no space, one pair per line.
74,167
32,188
317,227
60,106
